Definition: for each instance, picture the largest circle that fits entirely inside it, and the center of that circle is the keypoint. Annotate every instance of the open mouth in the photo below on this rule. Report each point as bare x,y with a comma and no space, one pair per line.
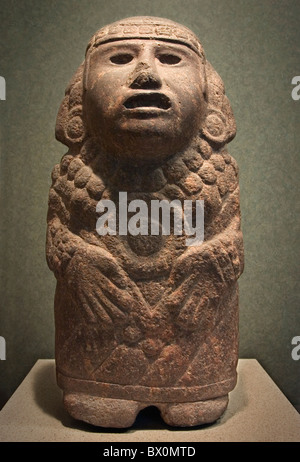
148,100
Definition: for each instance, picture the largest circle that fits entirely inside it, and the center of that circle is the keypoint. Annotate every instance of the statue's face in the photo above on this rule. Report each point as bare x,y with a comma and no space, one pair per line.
144,98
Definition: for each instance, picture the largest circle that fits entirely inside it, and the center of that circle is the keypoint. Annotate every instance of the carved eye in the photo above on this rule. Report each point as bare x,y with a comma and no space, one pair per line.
121,58
169,59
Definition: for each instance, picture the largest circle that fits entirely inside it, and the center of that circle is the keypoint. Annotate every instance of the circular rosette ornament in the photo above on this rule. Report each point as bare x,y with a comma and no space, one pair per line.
214,127
75,131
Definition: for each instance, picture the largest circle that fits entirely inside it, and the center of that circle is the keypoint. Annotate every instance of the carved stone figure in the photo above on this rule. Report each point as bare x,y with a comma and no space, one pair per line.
145,320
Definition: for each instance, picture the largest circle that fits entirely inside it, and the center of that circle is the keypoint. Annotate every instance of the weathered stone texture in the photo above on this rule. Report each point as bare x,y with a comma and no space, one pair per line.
145,320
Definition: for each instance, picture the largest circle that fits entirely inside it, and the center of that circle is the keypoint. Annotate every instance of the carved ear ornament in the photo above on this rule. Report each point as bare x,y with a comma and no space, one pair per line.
75,129
214,127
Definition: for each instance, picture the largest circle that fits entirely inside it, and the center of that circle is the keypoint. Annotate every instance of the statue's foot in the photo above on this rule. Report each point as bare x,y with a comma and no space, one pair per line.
103,412
121,413
192,414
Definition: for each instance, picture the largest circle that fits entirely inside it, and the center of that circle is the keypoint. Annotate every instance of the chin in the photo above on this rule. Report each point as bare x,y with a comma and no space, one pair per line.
145,144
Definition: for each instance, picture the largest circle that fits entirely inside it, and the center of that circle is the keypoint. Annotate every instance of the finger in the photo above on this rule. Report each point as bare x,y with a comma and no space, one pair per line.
120,297
235,259
177,297
93,308
113,311
225,265
195,300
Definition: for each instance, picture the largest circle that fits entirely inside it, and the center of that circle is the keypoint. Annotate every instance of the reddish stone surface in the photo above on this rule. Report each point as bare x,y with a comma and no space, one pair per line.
145,320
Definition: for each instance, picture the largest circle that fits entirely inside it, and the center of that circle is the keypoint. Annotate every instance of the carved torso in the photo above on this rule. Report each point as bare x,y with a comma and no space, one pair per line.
196,175
77,187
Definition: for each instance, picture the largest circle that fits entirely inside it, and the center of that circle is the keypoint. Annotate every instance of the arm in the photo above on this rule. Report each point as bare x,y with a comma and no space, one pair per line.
224,250
90,272
202,274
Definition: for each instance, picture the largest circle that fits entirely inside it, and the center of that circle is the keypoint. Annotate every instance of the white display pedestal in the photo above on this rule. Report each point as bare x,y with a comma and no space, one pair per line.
257,412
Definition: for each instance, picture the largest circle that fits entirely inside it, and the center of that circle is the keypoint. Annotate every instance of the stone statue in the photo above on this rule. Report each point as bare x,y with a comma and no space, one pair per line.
144,319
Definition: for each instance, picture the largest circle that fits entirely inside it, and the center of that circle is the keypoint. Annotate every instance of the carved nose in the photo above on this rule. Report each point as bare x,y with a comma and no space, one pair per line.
145,77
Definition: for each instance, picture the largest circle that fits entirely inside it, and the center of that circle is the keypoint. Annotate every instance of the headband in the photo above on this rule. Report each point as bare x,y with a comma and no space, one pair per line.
141,27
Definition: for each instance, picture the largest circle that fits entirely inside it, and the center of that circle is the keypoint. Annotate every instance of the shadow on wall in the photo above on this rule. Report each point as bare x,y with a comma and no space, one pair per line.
3,398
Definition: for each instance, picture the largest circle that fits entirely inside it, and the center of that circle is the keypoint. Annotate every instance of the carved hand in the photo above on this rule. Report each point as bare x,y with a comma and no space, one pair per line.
198,280
103,288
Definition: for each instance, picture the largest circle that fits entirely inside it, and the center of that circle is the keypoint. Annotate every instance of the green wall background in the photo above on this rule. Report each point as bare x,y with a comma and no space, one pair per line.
254,45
